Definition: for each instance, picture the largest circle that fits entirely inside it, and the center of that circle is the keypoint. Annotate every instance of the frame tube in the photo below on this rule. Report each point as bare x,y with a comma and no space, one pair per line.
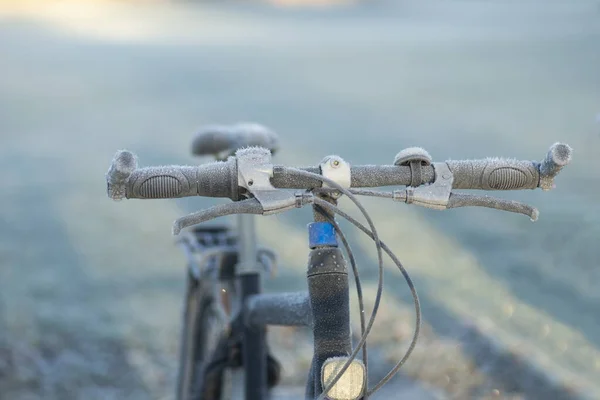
254,347
330,304
284,309
254,340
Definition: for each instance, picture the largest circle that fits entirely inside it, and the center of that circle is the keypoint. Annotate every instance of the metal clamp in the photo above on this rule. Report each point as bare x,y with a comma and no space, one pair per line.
338,170
255,170
435,195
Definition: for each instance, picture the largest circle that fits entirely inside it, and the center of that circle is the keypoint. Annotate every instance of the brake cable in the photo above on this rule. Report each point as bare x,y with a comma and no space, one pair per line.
361,305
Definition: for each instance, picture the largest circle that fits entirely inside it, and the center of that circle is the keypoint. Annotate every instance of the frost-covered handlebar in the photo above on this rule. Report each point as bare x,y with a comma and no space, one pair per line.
251,175
219,179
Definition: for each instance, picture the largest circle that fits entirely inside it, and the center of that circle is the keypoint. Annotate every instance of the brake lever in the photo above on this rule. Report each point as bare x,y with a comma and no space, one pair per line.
255,170
249,206
439,196
468,200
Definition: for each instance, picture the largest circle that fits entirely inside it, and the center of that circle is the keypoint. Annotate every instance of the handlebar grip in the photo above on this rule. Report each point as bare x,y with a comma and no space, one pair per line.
164,182
494,174
125,180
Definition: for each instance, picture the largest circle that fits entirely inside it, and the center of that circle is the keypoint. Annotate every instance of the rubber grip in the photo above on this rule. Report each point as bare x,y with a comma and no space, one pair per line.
495,174
218,179
164,182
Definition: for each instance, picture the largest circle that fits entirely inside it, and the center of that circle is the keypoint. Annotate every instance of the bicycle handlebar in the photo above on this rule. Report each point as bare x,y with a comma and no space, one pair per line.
219,179
250,174
361,176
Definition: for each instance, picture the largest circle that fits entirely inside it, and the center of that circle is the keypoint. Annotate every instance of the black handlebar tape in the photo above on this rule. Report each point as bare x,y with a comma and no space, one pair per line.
218,179
495,174
361,176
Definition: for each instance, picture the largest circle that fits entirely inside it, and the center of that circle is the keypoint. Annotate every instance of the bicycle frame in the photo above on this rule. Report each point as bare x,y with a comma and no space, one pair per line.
325,307
254,338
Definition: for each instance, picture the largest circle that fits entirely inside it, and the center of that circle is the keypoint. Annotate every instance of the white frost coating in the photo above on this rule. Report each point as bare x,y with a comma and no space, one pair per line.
121,168
254,173
254,168
412,154
557,157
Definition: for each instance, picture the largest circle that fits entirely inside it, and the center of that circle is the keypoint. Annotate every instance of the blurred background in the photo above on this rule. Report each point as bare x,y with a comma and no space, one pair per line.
91,290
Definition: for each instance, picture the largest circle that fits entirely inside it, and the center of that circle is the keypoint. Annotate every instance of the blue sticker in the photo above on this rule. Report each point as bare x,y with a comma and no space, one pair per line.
321,234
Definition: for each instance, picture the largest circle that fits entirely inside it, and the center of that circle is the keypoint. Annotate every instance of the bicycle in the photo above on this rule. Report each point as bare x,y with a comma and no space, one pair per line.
226,313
